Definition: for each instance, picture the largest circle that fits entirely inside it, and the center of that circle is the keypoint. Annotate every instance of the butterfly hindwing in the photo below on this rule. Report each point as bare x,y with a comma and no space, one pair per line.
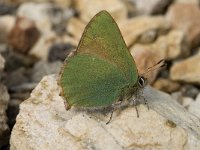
91,82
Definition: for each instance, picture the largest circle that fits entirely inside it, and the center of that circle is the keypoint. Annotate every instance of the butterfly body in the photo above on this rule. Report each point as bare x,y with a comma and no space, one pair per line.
102,70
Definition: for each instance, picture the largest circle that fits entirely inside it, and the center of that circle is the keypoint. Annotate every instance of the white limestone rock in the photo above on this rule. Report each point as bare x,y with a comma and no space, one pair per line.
44,123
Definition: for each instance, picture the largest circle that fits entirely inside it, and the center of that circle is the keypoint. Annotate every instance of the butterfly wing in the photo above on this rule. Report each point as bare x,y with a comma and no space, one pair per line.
102,66
102,38
88,81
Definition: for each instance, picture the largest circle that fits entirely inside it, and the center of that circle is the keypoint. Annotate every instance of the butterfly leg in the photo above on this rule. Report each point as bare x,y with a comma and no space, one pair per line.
115,106
145,101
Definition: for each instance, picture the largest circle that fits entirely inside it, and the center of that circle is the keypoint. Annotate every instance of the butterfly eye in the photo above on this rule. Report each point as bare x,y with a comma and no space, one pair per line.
141,81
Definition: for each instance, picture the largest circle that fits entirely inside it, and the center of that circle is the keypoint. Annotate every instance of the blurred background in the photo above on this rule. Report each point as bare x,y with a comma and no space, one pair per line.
37,35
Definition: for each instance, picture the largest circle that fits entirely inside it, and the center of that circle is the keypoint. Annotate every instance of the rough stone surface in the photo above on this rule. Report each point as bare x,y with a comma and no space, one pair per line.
89,8
187,21
4,129
187,70
169,46
23,35
43,122
194,107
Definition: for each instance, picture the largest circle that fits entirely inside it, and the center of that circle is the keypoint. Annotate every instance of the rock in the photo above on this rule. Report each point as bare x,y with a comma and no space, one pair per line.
189,90
141,29
45,111
145,59
41,48
59,51
4,129
187,21
88,9
166,85
187,70
39,13
169,46
43,68
15,60
16,77
2,62
194,106
134,30
186,101
23,35
153,7
6,9
6,24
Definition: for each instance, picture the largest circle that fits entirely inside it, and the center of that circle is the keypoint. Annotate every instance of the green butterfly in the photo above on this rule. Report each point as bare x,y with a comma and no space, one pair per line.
102,70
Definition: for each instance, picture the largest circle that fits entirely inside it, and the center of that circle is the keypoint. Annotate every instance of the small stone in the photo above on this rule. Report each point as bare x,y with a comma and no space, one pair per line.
6,24
39,13
145,59
41,48
143,29
190,90
88,9
169,46
2,62
43,68
4,129
186,101
153,7
59,51
45,111
195,105
178,96
16,77
75,27
187,21
15,60
187,70
166,85
23,35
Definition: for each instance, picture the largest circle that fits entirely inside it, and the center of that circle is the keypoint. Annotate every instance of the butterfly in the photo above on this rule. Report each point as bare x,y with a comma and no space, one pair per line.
101,72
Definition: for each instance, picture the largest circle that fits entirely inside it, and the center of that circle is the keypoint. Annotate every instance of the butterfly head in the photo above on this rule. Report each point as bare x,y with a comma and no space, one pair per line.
142,81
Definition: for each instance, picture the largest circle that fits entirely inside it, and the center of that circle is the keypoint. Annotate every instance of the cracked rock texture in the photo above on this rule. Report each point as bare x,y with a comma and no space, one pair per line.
44,123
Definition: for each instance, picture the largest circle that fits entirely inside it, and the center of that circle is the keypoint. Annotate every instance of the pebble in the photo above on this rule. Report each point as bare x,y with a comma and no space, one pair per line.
43,68
169,46
87,9
6,24
153,7
59,51
166,85
23,35
187,70
187,21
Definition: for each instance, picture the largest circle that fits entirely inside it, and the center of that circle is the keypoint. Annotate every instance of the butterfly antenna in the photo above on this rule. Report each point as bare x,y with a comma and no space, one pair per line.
160,64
